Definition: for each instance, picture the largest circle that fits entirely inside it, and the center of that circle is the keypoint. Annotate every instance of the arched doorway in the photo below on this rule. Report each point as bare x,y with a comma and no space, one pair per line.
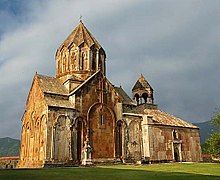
177,152
119,139
136,96
145,96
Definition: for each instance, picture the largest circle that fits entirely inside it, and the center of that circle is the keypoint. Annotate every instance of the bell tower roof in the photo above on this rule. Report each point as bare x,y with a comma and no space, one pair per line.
80,55
141,83
81,35
142,91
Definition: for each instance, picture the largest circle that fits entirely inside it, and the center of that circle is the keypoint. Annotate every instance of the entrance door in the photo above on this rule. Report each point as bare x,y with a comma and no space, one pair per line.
177,152
119,139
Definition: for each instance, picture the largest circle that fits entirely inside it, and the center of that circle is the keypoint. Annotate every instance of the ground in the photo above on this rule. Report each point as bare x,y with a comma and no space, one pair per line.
154,171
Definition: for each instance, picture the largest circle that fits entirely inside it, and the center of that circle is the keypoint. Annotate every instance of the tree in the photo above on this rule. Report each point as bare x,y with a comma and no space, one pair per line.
212,144
216,119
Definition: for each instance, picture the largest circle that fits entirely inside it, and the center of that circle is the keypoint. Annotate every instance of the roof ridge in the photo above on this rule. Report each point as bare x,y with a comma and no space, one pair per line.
45,76
83,83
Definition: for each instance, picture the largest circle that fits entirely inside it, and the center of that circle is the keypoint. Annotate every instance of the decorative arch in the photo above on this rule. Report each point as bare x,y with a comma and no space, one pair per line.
98,103
43,137
175,134
118,149
27,139
137,98
23,142
37,134
145,96
105,133
93,57
78,131
32,120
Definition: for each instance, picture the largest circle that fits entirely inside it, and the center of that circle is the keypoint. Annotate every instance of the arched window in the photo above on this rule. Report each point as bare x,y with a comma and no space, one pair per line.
94,60
175,134
102,119
82,61
64,63
136,96
144,95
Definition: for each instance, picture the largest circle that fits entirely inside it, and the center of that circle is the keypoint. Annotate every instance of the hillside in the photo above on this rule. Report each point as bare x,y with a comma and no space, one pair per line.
206,129
9,147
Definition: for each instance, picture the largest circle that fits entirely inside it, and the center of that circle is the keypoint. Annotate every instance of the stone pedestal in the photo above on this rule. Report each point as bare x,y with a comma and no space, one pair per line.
87,154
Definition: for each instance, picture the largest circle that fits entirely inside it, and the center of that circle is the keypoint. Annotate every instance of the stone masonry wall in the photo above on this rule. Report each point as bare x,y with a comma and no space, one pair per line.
33,141
54,114
162,143
89,100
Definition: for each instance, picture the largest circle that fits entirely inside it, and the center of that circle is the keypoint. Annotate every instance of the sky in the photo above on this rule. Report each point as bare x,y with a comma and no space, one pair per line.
175,44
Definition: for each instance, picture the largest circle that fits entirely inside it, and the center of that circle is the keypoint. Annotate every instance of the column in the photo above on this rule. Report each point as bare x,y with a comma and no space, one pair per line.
145,135
97,60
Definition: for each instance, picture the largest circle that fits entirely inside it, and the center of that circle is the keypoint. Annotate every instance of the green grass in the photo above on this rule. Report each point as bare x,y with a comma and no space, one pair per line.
155,171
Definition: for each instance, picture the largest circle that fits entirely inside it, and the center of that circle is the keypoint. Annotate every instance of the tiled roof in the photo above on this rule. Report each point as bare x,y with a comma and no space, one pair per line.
51,85
159,117
58,102
164,118
141,84
79,35
54,91
123,94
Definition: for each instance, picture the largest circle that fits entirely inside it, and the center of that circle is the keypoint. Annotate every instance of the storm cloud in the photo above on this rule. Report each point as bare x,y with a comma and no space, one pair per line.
174,44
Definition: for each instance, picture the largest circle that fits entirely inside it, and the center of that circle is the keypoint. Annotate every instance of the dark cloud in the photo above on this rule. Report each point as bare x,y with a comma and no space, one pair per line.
174,44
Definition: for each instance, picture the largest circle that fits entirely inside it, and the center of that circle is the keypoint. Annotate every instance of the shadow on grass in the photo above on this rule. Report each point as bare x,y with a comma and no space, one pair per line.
96,173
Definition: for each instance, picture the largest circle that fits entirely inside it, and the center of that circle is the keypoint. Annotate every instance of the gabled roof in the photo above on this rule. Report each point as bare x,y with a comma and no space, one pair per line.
164,118
141,84
124,95
55,93
159,117
51,85
79,35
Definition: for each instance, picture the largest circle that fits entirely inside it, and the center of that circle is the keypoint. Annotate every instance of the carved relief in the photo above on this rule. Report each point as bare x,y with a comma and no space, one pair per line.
42,143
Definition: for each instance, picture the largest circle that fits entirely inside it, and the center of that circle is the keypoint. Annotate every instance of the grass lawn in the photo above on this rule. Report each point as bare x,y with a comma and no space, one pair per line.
154,171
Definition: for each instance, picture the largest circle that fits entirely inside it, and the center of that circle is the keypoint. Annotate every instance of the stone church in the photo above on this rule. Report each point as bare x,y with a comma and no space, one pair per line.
80,117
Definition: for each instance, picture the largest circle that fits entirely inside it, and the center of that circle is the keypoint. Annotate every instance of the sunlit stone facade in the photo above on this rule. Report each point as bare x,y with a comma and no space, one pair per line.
79,117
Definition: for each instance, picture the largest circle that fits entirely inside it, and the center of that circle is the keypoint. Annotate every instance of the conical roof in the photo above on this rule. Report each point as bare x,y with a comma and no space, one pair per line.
141,84
81,35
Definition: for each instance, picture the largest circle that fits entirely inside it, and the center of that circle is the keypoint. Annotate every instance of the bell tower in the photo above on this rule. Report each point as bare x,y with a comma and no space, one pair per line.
143,92
79,56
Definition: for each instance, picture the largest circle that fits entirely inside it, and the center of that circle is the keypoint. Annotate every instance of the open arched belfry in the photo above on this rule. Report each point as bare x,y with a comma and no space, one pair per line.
79,117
